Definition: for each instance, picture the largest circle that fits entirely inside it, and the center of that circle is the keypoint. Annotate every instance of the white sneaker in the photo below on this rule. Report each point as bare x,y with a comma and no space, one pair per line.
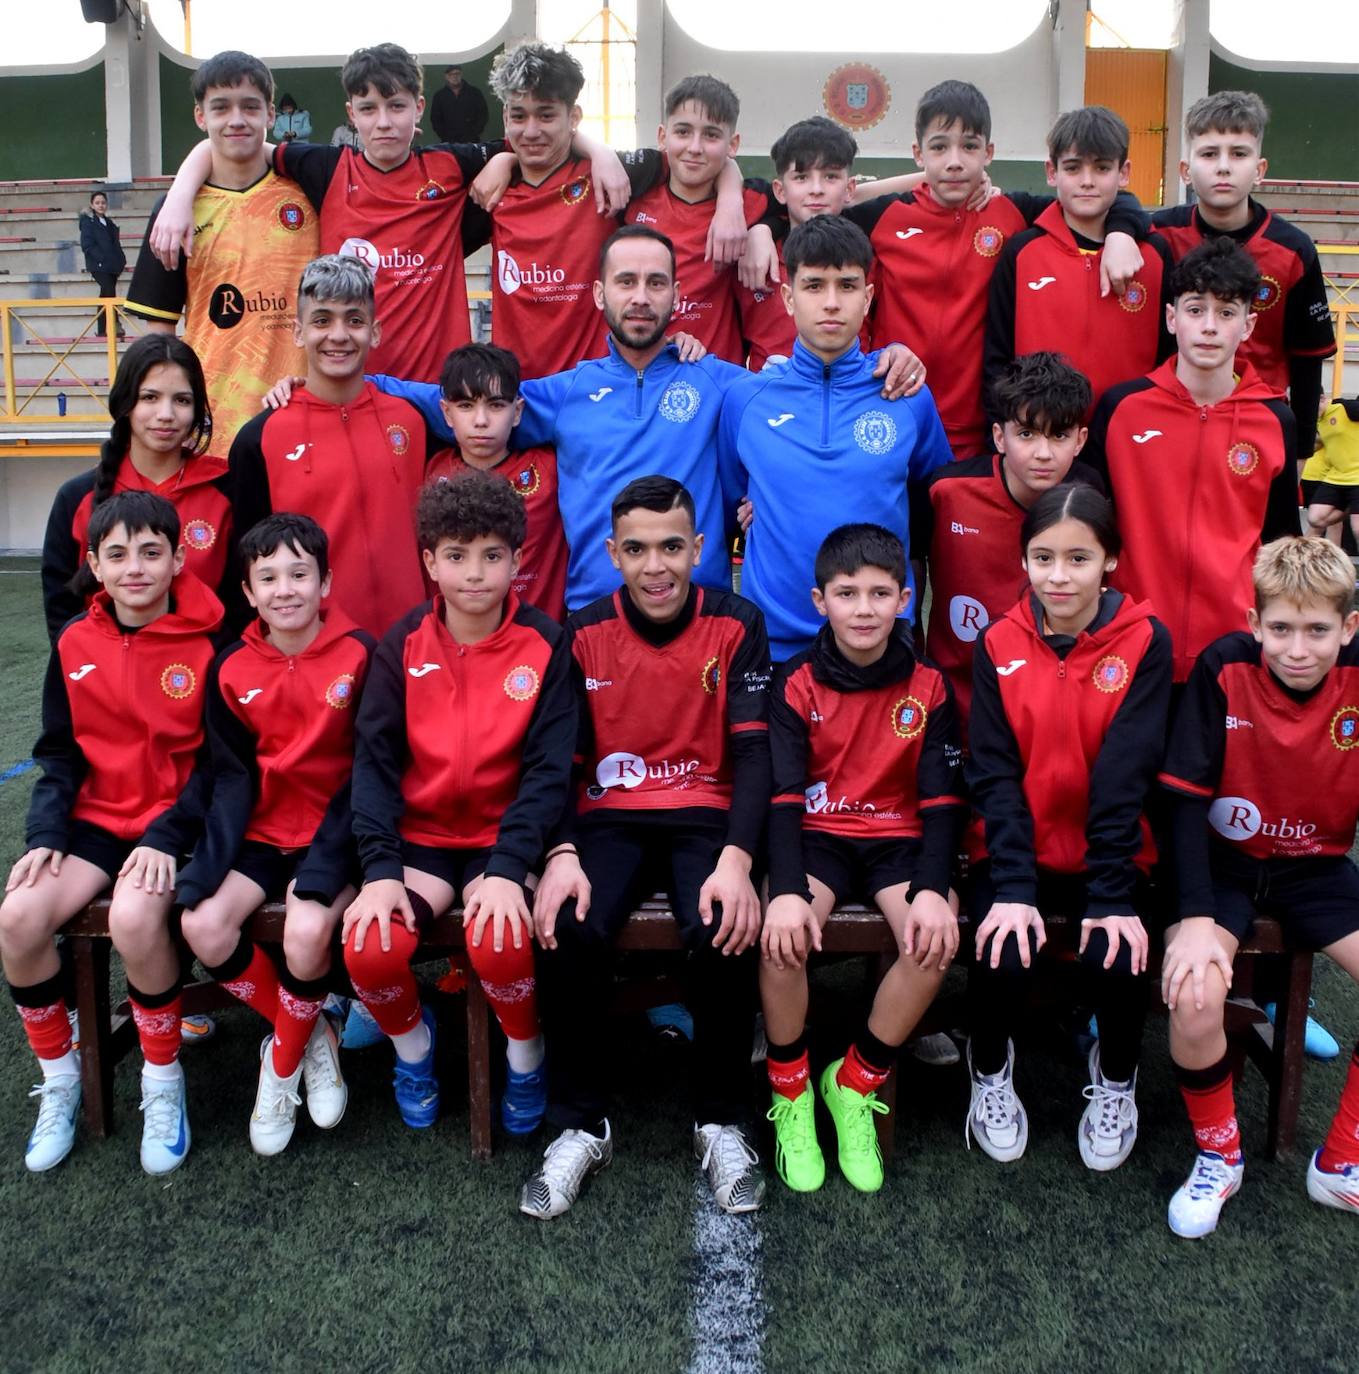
1340,1191
572,1158
938,1051
1108,1126
165,1125
1197,1204
327,1095
54,1132
996,1117
276,1104
731,1165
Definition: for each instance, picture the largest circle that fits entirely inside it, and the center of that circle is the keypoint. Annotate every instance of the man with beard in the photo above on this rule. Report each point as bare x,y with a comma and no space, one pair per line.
638,410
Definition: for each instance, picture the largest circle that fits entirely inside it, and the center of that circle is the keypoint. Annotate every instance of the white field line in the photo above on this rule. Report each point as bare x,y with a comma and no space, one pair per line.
727,1287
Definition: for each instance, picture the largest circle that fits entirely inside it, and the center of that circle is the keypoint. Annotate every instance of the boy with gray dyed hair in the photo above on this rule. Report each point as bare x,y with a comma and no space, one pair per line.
343,453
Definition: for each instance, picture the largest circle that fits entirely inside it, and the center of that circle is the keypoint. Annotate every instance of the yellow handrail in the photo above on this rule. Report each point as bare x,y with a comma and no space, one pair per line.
14,313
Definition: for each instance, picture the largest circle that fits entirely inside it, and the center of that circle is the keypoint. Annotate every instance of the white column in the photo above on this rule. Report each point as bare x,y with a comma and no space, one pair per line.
131,100
1068,56
651,82
1186,82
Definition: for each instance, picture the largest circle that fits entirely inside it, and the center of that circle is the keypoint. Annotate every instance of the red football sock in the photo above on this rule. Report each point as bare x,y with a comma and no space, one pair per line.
384,981
42,1009
250,976
1342,1140
789,1078
1211,1102
157,1020
857,1073
298,1008
508,982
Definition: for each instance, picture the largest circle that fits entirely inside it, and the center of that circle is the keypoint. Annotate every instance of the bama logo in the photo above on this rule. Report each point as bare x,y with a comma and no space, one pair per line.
1239,819
631,770
967,618
511,276
229,305
368,254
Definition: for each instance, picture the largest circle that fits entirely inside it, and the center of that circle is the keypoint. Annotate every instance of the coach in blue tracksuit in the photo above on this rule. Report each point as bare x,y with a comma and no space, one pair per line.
639,410
813,443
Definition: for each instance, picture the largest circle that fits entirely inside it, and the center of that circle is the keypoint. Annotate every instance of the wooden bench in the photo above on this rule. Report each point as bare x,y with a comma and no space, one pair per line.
107,1033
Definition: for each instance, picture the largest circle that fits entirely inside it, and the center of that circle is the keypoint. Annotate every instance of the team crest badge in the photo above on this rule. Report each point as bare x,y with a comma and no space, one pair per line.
988,241
1134,298
1266,294
908,717
1110,674
875,431
291,216
178,681
521,683
431,190
527,481
1345,728
711,677
681,402
199,535
856,96
399,437
340,693
575,191
1243,458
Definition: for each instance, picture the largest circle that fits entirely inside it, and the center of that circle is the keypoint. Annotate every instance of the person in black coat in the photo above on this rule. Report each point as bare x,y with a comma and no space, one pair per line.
458,110
104,256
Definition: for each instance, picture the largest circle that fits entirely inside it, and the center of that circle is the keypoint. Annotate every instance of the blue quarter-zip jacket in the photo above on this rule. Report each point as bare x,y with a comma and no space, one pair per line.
612,423
815,446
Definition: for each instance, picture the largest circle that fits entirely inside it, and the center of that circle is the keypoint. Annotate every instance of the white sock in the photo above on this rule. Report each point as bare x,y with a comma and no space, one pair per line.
412,1045
68,1066
524,1056
163,1073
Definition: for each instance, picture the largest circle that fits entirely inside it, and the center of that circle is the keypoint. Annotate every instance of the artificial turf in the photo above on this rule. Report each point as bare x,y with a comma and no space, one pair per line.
378,1248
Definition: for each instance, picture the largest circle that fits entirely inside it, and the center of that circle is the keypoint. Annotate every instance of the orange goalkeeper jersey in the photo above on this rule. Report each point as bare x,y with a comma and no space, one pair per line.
237,293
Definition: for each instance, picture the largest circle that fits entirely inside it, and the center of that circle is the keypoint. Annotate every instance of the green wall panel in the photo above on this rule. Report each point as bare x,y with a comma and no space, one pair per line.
54,126
1313,132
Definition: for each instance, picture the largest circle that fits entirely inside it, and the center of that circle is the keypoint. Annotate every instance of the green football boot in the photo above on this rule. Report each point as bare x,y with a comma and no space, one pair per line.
860,1157
797,1156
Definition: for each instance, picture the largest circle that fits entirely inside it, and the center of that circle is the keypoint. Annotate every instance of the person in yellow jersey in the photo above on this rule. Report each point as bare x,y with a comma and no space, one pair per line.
253,235
1330,477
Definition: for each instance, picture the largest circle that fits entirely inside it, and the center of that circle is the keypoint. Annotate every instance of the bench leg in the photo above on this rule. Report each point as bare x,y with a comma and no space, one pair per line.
478,1068
1285,1072
90,959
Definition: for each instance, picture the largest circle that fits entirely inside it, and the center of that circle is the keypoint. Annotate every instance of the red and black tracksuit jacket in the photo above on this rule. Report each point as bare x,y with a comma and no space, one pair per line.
867,753
356,469
932,268
1293,330
967,527
281,734
1198,489
1045,295
1065,738
1258,769
201,493
464,746
532,475
674,718
122,723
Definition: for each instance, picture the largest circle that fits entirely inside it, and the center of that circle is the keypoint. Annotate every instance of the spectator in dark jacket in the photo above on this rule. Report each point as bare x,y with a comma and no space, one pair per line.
458,110
104,256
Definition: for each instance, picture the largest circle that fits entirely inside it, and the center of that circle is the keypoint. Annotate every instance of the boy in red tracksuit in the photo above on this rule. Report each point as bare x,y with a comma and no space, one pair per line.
482,405
967,524
280,719
1045,290
122,727
463,763
1262,774
1069,699
1204,430
867,803
343,452
1293,332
